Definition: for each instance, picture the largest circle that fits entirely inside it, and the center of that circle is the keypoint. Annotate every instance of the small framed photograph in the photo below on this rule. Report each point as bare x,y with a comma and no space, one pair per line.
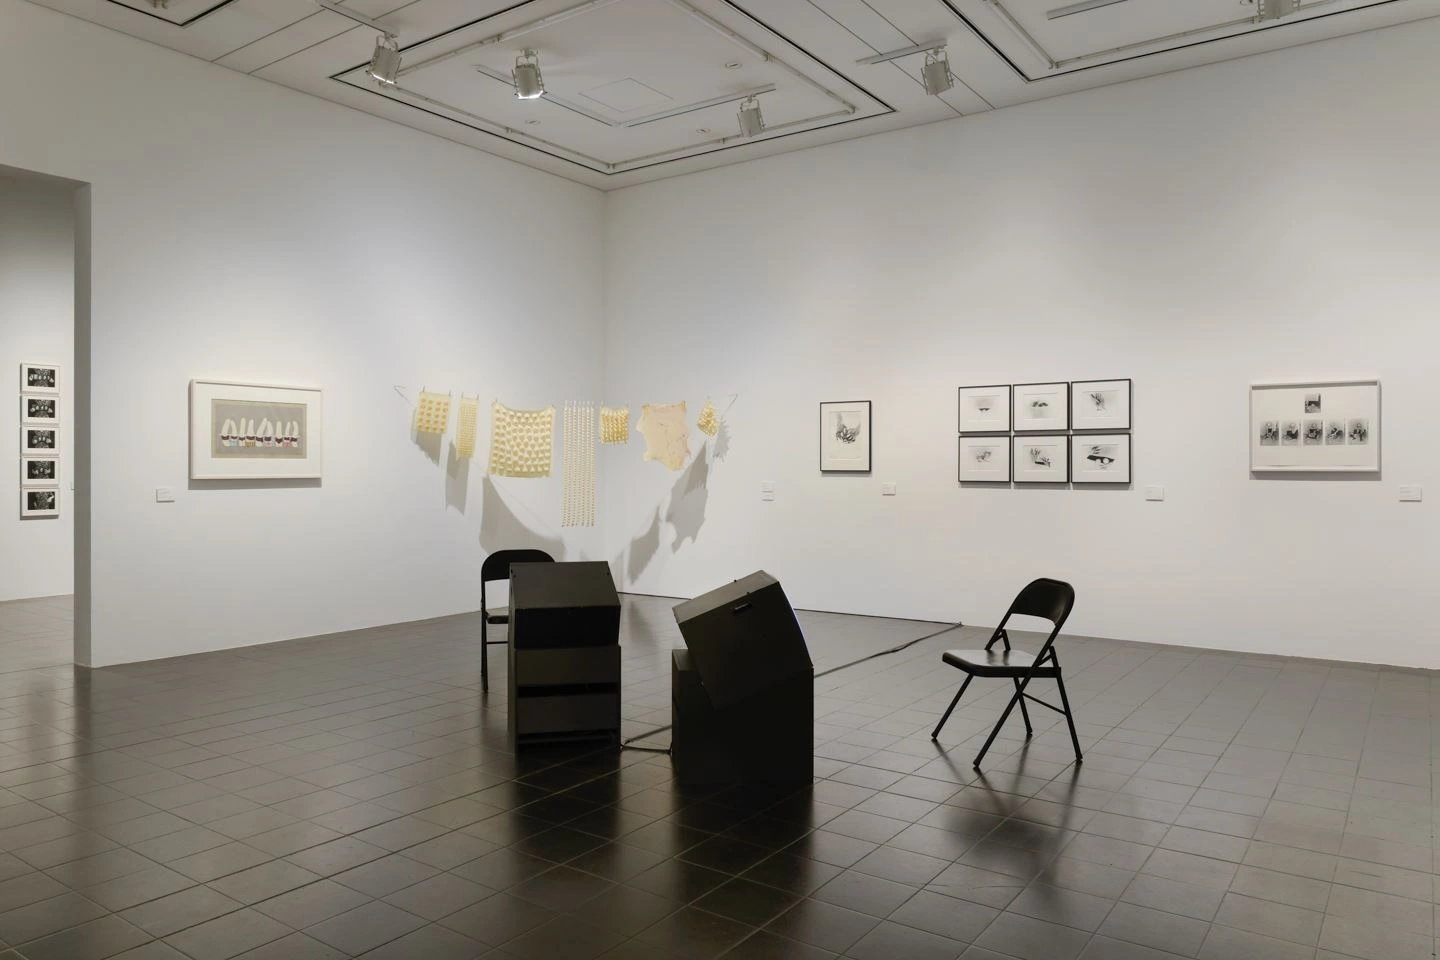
985,409
984,459
1042,459
1101,458
40,441
40,411
39,378
845,436
1100,405
36,502
1041,407
39,471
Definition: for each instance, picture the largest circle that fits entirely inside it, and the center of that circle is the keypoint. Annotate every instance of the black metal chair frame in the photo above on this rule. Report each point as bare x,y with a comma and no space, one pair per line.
1048,599
497,567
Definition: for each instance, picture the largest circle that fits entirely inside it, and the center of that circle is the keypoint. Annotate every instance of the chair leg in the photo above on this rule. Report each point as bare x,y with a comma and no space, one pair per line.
1024,713
1000,723
484,656
1069,718
935,734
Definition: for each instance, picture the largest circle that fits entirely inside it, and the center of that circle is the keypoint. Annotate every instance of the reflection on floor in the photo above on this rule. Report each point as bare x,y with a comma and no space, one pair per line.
36,633
354,796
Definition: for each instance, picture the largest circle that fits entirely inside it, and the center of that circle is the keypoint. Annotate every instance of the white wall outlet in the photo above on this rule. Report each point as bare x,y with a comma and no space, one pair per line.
767,489
887,489
1155,493
164,494
1412,494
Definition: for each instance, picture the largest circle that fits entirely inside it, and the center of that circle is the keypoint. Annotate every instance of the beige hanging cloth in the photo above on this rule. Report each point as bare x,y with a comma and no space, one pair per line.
432,412
466,420
614,424
666,430
709,421
579,462
521,441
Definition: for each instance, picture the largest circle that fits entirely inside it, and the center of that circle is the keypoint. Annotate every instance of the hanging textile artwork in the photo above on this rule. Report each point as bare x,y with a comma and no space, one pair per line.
579,509
520,441
466,418
432,413
614,424
667,433
709,422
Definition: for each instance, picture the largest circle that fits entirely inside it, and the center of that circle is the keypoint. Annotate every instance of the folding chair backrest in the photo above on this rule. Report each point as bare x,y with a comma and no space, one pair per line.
497,566
1044,598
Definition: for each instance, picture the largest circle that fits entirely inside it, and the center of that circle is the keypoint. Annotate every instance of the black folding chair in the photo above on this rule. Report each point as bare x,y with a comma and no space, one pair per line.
1050,600
497,567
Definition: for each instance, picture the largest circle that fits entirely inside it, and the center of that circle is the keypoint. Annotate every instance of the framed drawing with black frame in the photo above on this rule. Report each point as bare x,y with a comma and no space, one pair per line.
1100,458
1100,405
1043,458
985,409
1041,407
1317,427
845,436
985,459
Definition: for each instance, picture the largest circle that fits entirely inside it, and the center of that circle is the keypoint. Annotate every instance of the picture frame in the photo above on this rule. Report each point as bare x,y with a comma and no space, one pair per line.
39,378
255,431
1322,426
37,441
846,437
1041,458
985,459
1101,405
40,410
39,471
1100,458
37,502
985,409
1041,407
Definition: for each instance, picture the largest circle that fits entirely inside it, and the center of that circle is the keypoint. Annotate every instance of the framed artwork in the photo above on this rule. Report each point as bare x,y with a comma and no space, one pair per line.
1320,427
41,411
1100,458
1042,459
39,378
1100,405
251,431
845,436
36,502
1041,407
985,409
40,441
39,471
985,459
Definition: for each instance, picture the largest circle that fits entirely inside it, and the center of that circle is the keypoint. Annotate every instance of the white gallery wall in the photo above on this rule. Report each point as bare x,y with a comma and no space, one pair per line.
37,325
1264,219
242,231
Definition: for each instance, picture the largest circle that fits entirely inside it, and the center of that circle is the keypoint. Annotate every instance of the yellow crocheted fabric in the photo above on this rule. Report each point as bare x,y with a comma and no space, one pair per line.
521,441
432,413
667,433
579,480
614,424
466,420
709,422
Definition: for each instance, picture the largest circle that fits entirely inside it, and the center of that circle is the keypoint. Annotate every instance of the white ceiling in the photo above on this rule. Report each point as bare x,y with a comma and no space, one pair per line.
642,89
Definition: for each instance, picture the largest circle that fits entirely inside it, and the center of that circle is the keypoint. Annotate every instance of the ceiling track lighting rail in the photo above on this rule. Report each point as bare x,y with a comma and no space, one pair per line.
357,17
906,52
721,141
559,16
1014,25
1084,7
701,105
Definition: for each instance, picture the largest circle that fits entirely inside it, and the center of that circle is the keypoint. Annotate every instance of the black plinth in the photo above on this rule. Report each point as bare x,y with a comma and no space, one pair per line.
743,693
564,652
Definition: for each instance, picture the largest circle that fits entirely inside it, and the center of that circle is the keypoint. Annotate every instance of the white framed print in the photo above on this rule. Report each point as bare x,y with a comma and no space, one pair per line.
846,440
984,460
42,411
39,378
36,502
1317,427
1100,405
39,441
1041,407
1042,459
253,431
1100,458
39,471
985,409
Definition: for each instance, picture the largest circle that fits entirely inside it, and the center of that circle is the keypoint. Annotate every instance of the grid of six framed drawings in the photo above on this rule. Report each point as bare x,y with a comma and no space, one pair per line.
1062,432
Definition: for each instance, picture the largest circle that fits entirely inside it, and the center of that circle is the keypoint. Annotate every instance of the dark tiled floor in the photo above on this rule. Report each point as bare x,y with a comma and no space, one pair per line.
36,633
354,795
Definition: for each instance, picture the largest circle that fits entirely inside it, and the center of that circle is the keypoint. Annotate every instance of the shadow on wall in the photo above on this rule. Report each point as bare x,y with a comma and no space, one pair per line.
502,529
457,480
684,509
429,444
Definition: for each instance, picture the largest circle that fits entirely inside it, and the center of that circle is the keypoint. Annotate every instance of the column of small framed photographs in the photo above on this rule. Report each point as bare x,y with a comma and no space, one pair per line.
39,440
1054,433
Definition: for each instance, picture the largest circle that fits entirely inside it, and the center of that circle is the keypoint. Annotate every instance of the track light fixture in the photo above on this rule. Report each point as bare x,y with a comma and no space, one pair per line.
936,73
385,61
1275,9
751,122
529,85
